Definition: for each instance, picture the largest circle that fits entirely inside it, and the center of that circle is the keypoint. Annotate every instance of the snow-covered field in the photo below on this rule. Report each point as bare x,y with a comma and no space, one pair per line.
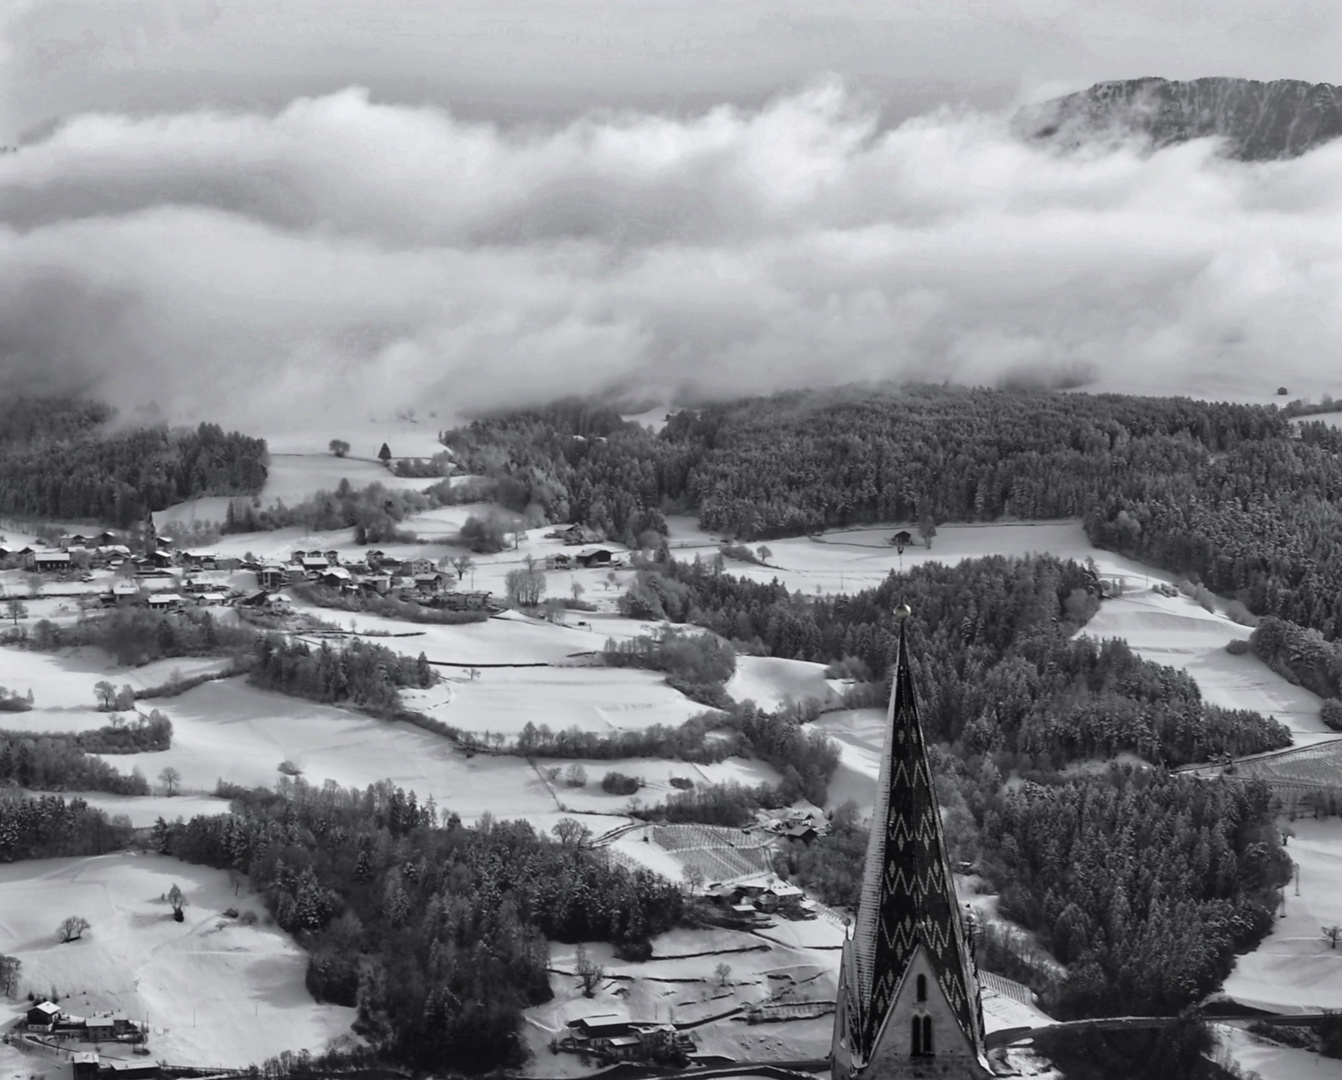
215,992
229,730
62,684
232,731
1178,632
1272,1062
1296,968
771,682
506,700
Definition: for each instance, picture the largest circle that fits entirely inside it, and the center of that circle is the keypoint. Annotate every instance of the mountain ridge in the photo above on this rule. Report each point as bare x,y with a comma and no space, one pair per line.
1258,121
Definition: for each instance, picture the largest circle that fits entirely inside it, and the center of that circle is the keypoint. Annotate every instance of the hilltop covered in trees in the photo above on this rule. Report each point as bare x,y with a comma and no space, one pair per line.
61,458
1230,494
998,667
1008,688
437,932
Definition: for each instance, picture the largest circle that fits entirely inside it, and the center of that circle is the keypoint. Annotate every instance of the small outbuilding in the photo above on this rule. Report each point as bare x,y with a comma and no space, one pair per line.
85,1065
595,557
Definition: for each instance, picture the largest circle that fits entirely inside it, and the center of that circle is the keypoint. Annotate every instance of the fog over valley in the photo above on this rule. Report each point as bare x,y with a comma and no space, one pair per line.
357,254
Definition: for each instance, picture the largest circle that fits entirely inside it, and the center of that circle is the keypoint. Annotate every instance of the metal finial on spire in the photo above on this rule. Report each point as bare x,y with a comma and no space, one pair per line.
903,612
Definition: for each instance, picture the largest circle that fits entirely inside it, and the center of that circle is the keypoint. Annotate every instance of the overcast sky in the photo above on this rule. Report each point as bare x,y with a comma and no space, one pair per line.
472,201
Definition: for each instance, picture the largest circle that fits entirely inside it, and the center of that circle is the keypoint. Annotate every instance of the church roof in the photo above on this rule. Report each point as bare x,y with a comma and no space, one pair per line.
908,894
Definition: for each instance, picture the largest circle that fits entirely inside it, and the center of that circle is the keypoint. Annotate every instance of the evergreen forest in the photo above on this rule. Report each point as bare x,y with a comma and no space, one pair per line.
1242,498
67,460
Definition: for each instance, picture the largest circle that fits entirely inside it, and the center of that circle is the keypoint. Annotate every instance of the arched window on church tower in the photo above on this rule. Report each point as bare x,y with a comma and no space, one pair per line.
927,1035
922,987
916,1029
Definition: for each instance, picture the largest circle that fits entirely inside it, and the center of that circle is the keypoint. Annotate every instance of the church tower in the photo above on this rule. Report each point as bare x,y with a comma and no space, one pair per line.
908,1002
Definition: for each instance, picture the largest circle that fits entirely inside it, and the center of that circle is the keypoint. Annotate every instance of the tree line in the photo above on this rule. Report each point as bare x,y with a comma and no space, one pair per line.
998,660
436,931
60,459
359,673
1237,497
48,827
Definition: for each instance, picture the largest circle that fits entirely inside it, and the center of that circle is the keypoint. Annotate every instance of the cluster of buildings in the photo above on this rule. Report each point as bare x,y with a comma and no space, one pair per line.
751,904
76,553
798,824
375,574
615,1037
48,1018
581,560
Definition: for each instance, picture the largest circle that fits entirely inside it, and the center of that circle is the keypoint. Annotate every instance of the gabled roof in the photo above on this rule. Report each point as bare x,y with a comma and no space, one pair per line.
908,894
48,1007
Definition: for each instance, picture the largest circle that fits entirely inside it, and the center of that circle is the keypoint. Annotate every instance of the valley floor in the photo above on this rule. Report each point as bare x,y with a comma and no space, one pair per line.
137,959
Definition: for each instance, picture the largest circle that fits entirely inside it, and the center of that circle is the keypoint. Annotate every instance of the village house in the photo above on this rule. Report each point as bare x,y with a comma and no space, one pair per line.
99,1029
332,557
124,593
211,599
419,567
595,557
615,1037
271,577
337,577
466,601
43,1016
165,601
374,583
430,584
576,534
50,562
560,561
313,563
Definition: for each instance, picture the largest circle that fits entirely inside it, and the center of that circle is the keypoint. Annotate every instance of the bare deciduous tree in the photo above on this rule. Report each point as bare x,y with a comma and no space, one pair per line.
178,901
16,609
1332,933
588,971
572,833
724,972
170,778
72,928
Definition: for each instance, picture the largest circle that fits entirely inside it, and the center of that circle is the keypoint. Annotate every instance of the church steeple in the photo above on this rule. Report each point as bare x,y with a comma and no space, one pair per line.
908,988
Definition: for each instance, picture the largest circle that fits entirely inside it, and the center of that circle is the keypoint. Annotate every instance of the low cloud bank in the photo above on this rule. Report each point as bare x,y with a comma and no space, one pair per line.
343,256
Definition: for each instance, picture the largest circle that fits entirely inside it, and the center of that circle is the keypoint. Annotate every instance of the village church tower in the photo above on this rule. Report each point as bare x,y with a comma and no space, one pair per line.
908,1001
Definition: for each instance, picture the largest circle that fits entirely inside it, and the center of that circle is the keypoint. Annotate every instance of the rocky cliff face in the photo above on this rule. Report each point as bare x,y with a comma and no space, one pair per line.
1260,121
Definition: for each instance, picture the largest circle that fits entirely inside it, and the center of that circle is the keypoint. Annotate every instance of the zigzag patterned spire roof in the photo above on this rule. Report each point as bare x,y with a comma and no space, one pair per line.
908,894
